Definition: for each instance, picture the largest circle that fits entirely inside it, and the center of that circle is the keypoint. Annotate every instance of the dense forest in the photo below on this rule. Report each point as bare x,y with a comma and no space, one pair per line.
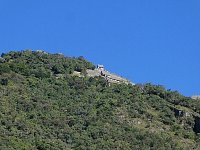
44,106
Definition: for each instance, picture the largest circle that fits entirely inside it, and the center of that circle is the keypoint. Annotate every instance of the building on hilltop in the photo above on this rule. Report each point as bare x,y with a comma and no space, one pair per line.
110,77
100,67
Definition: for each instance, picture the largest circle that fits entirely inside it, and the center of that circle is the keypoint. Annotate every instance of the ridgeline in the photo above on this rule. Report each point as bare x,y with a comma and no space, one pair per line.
48,101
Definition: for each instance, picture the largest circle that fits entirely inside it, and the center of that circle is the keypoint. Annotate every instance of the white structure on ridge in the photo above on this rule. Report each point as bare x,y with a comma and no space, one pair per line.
110,77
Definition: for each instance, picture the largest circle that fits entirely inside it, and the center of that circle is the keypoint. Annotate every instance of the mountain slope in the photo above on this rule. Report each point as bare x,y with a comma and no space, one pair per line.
44,106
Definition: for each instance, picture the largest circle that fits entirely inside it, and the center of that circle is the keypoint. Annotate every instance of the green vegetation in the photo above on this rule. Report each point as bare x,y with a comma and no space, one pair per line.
44,106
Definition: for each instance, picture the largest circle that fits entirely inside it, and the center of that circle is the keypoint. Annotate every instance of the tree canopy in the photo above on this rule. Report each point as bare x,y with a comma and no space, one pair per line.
44,106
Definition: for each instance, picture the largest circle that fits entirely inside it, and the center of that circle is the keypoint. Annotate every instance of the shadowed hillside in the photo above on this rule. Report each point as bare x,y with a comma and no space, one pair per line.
44,105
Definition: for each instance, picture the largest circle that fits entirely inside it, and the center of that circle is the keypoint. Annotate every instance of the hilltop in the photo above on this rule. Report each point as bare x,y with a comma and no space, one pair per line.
50,101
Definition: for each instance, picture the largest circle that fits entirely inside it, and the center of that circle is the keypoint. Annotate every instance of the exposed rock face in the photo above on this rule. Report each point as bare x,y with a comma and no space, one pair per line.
76,73
2,59
188,120
181,113
178,113
197,124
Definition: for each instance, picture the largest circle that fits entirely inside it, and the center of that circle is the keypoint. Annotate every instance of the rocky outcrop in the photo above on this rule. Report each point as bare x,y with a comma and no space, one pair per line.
2,60
196,97
181,113
183,116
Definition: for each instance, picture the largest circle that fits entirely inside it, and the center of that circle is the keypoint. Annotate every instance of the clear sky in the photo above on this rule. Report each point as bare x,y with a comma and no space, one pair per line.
155,41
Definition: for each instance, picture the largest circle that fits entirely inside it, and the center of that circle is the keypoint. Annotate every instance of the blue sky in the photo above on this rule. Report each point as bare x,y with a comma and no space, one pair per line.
146,41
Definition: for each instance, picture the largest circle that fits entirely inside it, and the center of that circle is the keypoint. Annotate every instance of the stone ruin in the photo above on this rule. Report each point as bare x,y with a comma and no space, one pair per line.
110,77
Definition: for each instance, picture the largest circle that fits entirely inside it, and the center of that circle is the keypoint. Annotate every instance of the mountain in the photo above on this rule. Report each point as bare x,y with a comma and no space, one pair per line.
48,101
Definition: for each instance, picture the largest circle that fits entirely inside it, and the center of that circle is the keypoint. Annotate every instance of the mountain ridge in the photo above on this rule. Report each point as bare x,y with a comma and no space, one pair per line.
44,105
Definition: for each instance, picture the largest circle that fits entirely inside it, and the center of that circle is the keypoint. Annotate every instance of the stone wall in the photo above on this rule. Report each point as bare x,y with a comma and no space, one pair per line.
110,77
